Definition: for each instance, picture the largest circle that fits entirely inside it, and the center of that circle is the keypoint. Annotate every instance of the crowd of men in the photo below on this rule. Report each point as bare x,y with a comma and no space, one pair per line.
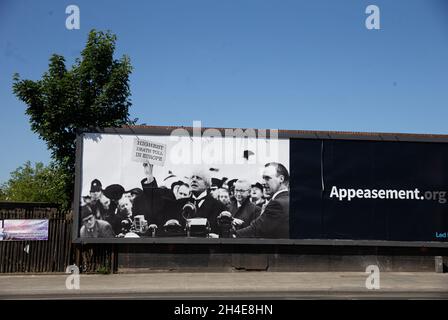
232,207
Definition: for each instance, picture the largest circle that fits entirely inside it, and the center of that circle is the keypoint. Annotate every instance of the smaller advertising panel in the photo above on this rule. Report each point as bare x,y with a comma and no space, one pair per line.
30,229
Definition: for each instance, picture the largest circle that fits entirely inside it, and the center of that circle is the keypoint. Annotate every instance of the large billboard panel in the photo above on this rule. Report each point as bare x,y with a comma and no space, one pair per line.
239,185
215,186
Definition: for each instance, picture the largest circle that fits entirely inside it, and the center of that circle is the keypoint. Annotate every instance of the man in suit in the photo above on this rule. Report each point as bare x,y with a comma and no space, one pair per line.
273,221
242,209
159,205
93,228
155,202
206,206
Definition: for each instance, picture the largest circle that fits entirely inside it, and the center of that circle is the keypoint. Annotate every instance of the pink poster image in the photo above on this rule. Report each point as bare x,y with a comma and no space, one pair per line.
31,229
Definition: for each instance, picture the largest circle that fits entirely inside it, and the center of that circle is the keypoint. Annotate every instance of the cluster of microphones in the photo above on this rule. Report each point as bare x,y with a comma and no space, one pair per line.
193,226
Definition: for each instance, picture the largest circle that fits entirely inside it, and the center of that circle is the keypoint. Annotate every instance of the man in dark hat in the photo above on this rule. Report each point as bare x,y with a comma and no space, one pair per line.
256,195
95,190
120,207
114,192
98,202
230,184
133,193
93,228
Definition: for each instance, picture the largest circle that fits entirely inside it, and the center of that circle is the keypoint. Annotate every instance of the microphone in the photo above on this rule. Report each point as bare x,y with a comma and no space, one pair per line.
188,210
125,226
153,228
225,219
172,226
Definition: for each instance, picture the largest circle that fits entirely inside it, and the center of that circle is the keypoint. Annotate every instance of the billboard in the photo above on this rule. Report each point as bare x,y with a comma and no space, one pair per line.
185,184
20,229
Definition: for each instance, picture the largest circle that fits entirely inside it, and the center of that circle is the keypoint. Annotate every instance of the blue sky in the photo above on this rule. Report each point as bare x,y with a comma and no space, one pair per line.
250,63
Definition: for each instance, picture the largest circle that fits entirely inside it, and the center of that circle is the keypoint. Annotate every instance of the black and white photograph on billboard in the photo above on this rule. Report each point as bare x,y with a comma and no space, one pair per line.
209,186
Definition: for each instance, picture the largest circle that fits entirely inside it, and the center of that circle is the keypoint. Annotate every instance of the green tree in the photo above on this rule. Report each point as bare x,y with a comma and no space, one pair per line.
2,192
38,184
94,93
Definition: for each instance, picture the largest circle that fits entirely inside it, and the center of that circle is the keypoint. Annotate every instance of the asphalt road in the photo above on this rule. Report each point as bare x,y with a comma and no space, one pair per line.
232,285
